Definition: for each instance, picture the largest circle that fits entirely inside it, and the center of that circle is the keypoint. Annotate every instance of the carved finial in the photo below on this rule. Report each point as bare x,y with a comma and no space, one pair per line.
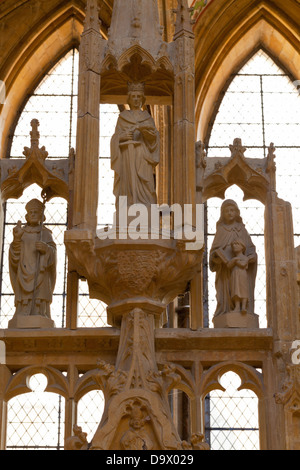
34,151
237,149
271,166
183,19
92,20
34,134
200,164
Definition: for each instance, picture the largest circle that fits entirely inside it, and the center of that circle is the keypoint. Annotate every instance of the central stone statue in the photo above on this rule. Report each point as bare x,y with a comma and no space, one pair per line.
135,151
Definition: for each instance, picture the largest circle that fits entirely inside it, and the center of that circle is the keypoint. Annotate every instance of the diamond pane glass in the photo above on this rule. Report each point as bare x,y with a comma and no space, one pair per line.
35,420
90,411
233,416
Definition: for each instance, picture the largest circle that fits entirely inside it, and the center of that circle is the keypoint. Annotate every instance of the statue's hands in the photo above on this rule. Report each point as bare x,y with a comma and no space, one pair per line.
147,132
252,258
125,136
242,264
232,263
18,231
41,247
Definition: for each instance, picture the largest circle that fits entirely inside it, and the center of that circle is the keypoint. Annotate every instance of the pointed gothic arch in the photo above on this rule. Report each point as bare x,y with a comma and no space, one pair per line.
32,59
231,38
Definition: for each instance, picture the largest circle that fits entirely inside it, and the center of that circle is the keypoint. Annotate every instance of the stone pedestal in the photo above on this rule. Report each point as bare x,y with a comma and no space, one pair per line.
137,279
30,321
236,320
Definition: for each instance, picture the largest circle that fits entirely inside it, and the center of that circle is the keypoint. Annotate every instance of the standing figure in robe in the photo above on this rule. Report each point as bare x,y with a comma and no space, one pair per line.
32,263
135,151
239,288
231,228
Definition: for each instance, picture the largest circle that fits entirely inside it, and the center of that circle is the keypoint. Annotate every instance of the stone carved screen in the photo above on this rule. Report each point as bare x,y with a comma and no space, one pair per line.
267,124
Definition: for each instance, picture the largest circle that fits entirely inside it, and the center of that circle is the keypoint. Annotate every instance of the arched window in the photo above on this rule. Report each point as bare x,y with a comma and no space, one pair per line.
260,106
233,416
90,411
54,104
34,424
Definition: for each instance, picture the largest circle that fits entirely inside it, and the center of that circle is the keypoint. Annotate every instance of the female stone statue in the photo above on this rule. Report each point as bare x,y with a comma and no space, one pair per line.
233,286
135,151
32,264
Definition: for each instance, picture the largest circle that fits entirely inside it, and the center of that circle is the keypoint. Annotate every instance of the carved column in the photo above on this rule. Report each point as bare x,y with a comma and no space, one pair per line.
87,144
281,265
184,167
71,403
184,109
72,276
282,312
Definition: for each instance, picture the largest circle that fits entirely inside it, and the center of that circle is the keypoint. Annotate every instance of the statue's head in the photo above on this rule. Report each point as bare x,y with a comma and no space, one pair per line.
136,95
238,246
34,212
230,212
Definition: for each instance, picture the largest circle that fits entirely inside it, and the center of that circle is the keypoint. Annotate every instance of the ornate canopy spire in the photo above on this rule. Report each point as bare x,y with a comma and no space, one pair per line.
92,16
183,19
138,22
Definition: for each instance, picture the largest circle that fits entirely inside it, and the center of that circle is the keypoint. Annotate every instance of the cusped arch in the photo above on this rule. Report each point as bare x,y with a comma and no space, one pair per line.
234,39
185,381
19,383
91,380
136,64
250,378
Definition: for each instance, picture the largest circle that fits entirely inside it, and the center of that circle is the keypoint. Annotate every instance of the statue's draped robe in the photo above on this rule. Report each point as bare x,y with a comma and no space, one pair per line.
225,235
134,161
239,285
23,267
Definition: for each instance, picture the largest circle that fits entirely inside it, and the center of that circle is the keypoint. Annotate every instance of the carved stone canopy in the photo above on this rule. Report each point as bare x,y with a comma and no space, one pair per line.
136,65
135,51
255,176
18,174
